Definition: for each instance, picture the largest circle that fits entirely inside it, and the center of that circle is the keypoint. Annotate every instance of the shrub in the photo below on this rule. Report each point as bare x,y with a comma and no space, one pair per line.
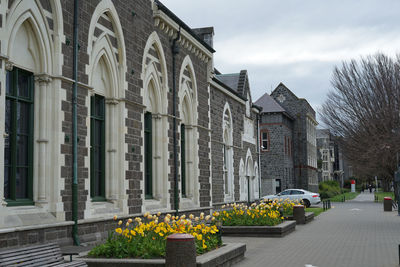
329,189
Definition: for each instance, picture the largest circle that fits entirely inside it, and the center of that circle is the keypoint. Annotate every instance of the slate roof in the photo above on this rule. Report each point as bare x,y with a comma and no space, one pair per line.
268,104
231,80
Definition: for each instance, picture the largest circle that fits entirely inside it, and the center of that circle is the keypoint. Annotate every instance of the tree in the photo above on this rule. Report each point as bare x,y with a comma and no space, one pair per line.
363,109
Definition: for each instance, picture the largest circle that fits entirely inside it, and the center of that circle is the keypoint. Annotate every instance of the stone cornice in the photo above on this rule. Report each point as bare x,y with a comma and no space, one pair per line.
170,27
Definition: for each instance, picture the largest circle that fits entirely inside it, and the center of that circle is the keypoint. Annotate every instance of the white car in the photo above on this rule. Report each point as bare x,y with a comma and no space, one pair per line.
309,198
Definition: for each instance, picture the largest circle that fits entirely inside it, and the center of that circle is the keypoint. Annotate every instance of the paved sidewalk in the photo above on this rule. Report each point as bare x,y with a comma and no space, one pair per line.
354,233
364,197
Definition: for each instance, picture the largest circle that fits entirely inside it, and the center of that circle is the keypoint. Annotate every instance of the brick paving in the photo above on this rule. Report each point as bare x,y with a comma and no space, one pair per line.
354,233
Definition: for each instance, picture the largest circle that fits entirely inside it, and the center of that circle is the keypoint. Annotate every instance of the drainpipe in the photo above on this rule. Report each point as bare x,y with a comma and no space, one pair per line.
75,131
259,156
248,190
175,51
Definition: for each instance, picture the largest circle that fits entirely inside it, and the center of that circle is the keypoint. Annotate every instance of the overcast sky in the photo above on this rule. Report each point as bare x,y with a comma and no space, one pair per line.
297,42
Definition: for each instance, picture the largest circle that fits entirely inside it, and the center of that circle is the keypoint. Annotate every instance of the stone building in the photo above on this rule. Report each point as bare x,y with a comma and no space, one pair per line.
234,122
288,131
332,162
327,155
276,142
127,74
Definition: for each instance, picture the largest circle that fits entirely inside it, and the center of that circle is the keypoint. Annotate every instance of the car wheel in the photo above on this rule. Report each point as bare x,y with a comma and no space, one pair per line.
306,203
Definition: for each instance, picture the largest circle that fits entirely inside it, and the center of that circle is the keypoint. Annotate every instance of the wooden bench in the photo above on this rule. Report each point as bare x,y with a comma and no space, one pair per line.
41,256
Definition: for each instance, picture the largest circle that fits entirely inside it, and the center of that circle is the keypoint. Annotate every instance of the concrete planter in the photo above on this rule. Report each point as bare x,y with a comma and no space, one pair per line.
280,230
226,255
309,216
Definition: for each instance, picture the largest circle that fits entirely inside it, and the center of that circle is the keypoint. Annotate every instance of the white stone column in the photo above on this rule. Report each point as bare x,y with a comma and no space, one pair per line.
43,80
157,141
8,66
112,135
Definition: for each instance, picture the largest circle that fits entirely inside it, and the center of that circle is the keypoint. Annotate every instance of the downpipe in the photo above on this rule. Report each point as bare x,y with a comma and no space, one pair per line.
175,52
75,130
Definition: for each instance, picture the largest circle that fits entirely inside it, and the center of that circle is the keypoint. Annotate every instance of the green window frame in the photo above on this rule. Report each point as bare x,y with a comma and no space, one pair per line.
18,145
97,148
148,155
183,161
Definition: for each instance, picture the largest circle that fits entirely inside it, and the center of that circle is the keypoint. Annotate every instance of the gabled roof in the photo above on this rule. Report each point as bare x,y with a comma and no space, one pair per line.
239,82
231,80
268,104
281,85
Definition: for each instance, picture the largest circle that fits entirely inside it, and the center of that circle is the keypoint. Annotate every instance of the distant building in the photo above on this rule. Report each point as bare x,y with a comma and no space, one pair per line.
276,143
328,155
288,140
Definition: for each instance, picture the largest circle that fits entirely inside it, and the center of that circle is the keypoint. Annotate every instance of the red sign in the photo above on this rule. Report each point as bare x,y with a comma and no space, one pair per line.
353,181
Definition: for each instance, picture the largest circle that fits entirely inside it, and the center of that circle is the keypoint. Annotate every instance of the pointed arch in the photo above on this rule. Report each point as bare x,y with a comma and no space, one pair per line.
256,183
249,172
155,82
106,70
242,181
189,135
227,152
31,41
25,14
116,54
188,87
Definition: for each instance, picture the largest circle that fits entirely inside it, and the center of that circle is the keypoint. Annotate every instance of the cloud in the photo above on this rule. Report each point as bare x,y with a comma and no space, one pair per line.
265,48
296,42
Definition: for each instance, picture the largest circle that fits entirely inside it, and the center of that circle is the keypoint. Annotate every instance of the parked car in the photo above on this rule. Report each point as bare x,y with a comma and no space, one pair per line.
309,198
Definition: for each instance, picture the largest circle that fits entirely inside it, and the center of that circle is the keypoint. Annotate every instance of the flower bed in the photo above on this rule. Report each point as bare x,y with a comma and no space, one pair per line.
147,238
226,255
279,230
263,220
266,213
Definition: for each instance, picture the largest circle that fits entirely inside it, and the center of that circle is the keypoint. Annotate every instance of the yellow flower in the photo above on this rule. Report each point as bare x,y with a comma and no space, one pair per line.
118,230
120,222
133,233
127,224
129,220
158,214
204,245
115,217
191,216
208,217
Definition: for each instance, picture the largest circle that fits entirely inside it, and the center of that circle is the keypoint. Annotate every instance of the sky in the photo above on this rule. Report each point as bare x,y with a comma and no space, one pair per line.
297,42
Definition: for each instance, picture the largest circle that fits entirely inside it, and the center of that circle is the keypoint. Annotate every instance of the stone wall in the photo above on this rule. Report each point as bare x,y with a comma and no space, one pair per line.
240,148
298,109
276,162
